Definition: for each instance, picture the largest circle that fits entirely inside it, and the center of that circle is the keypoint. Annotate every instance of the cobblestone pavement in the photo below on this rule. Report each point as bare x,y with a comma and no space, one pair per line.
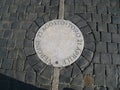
98,68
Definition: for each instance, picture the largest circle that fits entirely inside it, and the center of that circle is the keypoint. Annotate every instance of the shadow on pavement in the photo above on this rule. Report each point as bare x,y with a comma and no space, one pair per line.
7,83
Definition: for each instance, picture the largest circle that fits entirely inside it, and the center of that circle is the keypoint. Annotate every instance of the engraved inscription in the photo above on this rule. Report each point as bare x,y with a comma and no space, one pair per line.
59,43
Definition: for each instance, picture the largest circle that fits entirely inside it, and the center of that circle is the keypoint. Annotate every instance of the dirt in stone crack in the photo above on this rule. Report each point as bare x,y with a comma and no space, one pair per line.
88,80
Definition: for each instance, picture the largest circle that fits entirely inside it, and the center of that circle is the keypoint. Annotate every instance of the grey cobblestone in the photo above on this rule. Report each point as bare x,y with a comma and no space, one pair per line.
99,74
96,58
101,9
106,37
13,54
47,73
7,64
30,77
112,48
116,19
3,53
106,18
106,58
76,70
65,78
101,47
8,34
97,18
116,38
20,75
116,58
102,27
87,54
111,72
112,28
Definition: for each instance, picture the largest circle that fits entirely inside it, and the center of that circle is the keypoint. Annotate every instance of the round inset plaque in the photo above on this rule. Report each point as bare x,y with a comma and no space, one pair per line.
59,43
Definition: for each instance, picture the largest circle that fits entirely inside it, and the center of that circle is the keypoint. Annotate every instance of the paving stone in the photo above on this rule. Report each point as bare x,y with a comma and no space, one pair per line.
113,3
19,34
62,86
7,64
5,16
21,16
21,54
88,2
81,24
100,88
6,25
89,70
91,9
25,25
39,21
19,43
95,2
28,43
10,73
13,17
19,64
88,88
112,28
65,78
13,8
54,12
116,38
96,58
31,16
11,43
1,60
15,25
52,3
39,9
46,18
29,51
3,42
82,63
116,19
106,37
101,9
80,9
89,38
3,52
1,33
111,72
87,54
102,27
87,17
76,70
8,34
21,9
33,27
75,18
77,80
106,18
13,54
86,30
30,9
112,48
97,35
48,72
20,75
97,18
99,74
106,58
30,35
42,81
39,67
30,77
76,87
90,46
4,9
33,59
101,47
116,58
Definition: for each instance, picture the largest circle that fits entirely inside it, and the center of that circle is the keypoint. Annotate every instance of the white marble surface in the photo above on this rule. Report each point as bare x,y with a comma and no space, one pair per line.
59,43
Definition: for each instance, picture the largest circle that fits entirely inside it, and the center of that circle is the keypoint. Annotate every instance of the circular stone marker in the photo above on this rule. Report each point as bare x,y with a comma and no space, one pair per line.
59,43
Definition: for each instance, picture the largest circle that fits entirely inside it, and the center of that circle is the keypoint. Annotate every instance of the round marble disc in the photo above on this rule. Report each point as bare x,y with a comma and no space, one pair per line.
59,43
